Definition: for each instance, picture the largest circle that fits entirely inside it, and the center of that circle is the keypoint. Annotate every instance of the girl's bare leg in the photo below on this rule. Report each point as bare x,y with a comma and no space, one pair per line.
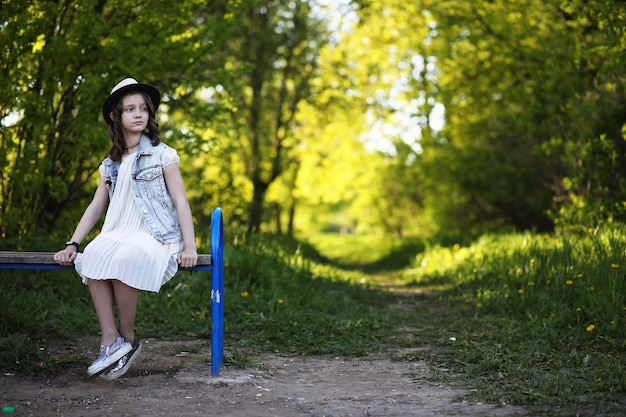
102,296
126,299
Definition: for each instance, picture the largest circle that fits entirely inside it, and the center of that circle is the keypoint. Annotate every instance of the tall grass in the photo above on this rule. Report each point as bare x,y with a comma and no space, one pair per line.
34,307
535,320
538,319
293,309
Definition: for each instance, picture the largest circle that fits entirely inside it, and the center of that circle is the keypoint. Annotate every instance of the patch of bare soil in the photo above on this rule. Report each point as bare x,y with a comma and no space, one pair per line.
174,379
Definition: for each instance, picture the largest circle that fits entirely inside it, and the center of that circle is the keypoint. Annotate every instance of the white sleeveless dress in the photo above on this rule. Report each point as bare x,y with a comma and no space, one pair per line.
125,249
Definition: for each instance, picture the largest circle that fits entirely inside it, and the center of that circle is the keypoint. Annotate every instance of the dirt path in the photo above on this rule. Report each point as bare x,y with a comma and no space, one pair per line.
174,379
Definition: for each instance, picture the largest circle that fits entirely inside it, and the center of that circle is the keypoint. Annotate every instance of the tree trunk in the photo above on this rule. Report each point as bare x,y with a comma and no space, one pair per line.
292,215
255,213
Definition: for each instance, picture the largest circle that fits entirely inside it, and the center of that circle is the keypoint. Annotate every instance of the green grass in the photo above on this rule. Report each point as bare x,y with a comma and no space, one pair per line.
539,320
35,305
530,319
534,320
367,253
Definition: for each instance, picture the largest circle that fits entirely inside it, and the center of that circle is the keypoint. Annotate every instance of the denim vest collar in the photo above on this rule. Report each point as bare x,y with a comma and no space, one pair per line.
145,147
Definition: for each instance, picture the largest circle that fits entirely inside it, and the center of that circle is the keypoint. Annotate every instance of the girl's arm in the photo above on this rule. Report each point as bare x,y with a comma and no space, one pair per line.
90,217
174,182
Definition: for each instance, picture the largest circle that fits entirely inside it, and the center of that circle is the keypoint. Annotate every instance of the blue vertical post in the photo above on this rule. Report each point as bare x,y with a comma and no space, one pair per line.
217,290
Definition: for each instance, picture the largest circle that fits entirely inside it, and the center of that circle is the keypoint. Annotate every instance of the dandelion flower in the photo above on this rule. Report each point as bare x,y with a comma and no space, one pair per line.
569,282
615,266
591,327
520,291
532,261
456,246
281,301
244,294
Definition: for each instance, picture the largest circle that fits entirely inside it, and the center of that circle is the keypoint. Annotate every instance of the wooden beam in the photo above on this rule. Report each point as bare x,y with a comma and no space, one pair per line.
47,258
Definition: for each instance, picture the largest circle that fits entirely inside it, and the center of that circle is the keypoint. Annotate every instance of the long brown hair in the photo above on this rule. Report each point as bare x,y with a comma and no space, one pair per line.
118,146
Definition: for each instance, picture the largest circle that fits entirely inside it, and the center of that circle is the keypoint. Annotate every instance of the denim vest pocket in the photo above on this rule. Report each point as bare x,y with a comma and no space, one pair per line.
151,180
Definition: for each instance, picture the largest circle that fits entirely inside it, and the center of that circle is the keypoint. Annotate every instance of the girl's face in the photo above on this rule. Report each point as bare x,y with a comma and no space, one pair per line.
135,113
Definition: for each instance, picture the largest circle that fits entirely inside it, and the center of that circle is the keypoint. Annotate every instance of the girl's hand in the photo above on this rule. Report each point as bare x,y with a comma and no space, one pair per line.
188,258
66,256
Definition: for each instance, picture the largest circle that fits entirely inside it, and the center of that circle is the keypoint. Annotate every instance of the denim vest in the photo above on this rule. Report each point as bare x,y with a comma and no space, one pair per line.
149,191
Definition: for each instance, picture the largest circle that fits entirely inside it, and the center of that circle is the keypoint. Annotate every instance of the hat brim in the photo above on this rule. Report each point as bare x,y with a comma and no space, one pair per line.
150,90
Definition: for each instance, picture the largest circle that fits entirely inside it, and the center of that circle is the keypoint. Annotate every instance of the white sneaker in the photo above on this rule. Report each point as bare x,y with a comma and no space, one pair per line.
109,355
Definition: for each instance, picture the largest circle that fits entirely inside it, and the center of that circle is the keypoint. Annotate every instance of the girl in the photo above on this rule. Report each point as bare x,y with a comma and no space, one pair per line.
148,229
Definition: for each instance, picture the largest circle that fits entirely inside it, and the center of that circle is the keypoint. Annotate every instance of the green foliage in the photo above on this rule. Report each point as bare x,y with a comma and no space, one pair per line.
275,46
62,59
276,107
533,110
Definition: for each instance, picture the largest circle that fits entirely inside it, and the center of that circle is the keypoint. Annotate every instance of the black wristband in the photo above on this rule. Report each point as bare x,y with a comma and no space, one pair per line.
72,243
